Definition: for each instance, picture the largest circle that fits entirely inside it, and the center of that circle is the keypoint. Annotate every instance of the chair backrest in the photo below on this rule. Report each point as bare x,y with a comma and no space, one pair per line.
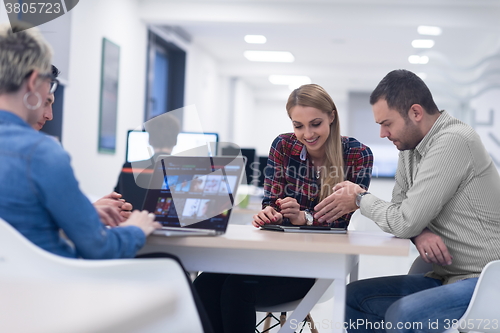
21,260
19,256
419,266
483,313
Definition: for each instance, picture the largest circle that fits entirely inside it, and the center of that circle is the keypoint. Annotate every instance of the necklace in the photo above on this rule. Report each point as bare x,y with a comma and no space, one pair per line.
318,171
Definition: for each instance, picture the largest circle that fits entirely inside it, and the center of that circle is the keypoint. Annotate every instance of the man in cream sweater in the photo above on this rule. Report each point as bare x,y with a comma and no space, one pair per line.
445,199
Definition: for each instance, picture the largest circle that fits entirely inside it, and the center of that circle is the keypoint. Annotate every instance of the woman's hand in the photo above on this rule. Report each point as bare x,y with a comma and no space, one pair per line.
144,220
290,208
266,216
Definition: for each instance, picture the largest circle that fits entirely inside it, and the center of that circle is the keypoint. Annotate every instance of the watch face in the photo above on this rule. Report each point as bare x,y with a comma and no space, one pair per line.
309,218
359,197
358,200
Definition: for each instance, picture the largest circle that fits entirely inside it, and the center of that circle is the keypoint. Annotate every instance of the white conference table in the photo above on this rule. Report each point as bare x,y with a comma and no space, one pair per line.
329,258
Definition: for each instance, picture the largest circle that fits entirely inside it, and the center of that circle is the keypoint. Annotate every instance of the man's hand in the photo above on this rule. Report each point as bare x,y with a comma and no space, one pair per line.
432,248
290,208
142,220
109,215
266,216
115,200
342,201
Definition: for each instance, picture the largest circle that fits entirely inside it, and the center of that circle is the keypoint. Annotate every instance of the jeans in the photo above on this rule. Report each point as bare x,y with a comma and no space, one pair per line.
406,303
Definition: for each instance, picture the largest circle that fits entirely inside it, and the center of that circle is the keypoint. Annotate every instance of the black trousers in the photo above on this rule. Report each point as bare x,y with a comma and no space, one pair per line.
230,300
205,322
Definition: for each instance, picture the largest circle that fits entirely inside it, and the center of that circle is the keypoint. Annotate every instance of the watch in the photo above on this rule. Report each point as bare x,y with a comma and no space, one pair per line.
359,197
309,217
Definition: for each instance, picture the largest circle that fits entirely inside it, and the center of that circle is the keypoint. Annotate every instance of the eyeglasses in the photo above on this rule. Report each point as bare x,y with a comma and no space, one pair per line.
54,83
53,86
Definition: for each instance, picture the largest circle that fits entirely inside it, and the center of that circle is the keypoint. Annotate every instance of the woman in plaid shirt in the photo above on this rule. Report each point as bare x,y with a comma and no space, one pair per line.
301,171
304,166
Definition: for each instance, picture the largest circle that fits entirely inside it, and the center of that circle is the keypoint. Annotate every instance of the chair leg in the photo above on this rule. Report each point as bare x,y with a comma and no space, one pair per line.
282,319
267,322
311,323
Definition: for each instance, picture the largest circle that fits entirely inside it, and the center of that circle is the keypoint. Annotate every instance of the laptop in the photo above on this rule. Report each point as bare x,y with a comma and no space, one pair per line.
304,228
193,195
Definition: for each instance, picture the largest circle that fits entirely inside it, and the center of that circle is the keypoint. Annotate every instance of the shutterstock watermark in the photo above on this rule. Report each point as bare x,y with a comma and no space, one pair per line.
37,12
357,324
363,324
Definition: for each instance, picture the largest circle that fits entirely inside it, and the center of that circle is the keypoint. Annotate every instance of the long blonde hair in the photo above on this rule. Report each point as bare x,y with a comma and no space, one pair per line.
315,96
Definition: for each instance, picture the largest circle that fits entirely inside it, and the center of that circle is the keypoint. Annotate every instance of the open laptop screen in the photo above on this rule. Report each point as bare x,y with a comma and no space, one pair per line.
194,192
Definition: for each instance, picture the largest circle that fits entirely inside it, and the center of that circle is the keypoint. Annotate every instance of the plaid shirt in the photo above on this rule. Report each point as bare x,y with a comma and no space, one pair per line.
289,173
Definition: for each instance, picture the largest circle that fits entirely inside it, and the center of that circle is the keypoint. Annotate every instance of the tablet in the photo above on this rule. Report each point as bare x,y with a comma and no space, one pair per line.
304,228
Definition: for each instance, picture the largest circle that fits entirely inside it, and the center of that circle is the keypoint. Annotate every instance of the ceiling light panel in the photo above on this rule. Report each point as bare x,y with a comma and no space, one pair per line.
429,30
292,81
419,60
255,39
422,43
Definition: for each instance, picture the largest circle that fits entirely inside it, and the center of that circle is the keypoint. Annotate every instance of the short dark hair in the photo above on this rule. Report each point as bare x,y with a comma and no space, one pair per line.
163,130
401,89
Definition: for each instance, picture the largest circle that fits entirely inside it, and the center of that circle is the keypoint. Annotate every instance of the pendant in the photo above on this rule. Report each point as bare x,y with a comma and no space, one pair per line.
317,171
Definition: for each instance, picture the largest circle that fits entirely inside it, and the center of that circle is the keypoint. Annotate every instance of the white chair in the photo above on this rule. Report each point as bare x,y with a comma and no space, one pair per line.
287,307
483,313
24,264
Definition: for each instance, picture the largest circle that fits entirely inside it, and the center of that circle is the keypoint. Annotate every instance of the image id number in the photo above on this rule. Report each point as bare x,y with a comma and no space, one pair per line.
471,324
33,8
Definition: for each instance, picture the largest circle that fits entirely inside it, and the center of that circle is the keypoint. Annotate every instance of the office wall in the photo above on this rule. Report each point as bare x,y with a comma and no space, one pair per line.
205,87
271,119
486,122
208,90
117,21
246,122
266,117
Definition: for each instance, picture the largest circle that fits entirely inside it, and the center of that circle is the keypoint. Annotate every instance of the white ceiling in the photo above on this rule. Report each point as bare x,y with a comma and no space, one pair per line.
345,45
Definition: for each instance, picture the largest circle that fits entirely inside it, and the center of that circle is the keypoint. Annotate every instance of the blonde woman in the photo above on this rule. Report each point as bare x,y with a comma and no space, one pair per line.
302,169
305,165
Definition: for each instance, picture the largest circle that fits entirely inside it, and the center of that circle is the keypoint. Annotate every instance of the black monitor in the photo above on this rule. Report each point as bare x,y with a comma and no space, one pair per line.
262,166
138,148
250,155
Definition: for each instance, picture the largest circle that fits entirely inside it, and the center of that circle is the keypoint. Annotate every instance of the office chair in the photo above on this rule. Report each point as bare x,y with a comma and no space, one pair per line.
22,260
286,307
482,308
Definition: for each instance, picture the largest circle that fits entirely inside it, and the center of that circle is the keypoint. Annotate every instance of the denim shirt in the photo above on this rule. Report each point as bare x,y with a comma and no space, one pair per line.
39,196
